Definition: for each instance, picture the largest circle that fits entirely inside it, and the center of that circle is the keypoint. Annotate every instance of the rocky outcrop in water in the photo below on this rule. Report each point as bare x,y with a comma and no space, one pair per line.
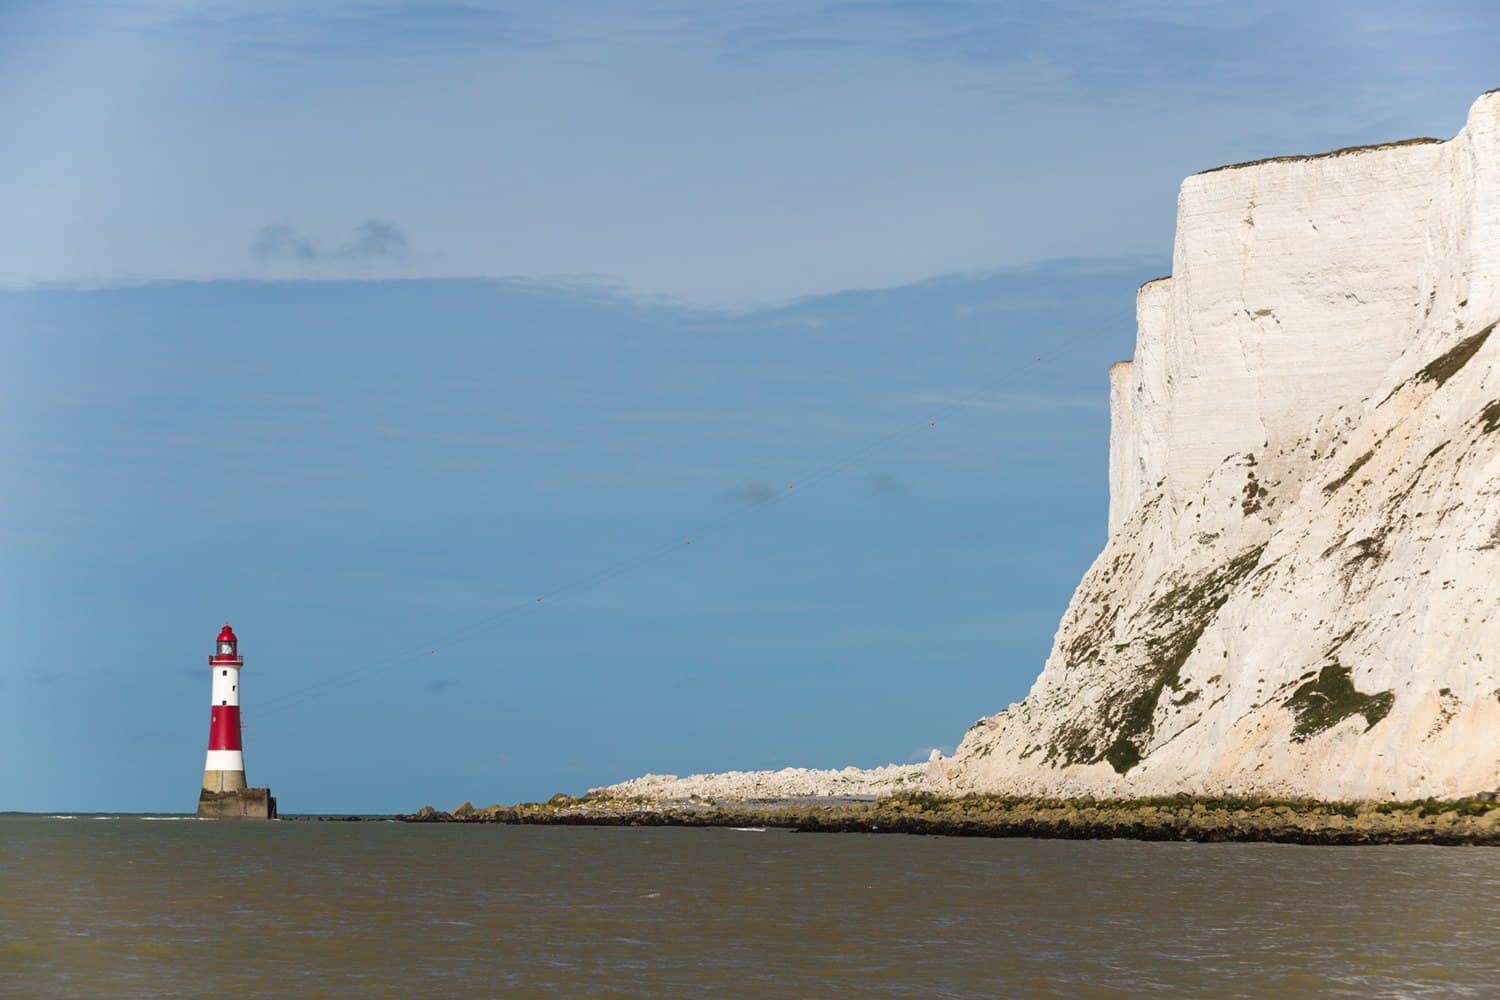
1475,821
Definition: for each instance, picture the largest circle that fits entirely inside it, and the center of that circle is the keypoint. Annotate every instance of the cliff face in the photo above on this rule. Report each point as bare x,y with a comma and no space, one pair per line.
1298,593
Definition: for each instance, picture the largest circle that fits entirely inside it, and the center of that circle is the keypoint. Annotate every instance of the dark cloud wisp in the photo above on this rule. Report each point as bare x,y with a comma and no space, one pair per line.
372,240
375,239
283,241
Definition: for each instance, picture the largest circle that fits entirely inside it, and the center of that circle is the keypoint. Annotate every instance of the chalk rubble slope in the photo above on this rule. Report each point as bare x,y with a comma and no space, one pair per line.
1297,596
787,783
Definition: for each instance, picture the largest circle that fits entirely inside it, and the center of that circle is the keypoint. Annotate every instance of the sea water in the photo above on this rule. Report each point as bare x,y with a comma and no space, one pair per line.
128,907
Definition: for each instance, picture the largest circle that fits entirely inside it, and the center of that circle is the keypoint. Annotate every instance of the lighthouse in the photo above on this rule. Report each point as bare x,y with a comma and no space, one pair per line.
225,794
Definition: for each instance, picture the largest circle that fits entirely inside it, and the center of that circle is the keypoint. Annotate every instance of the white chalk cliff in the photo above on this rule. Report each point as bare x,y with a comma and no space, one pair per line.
1299,592
1300,587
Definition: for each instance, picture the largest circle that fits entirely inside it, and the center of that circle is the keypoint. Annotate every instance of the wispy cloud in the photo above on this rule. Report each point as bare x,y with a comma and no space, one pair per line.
372,240
375,239
283,241
438,685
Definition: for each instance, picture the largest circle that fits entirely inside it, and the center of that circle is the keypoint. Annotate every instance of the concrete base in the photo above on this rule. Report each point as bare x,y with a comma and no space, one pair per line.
224,781
247,803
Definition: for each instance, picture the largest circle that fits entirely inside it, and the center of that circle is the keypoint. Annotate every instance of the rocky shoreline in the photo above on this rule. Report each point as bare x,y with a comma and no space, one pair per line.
1471,821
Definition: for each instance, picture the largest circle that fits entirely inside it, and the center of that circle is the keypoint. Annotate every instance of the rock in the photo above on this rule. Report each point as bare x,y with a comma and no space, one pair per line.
464,811
426,814
1213,820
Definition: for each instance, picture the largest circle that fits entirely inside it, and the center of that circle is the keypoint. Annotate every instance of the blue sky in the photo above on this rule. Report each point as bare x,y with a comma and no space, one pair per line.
364,325
717,154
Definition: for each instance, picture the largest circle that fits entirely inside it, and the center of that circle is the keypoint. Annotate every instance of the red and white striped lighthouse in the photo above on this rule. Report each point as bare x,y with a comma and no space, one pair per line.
224,770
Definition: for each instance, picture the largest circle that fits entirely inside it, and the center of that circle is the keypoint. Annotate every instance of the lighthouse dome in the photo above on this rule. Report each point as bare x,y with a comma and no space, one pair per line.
226,634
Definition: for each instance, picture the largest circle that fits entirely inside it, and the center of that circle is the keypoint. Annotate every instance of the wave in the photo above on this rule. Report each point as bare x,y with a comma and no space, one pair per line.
156,819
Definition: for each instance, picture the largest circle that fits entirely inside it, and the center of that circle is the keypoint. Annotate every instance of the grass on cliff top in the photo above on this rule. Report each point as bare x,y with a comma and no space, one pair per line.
1423,140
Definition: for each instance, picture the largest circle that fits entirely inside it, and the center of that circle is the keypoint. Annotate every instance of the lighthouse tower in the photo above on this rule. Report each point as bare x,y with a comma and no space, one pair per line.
225,794
224,771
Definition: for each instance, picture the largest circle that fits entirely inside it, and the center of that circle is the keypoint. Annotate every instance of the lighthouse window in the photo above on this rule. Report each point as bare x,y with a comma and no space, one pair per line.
234,687
224,672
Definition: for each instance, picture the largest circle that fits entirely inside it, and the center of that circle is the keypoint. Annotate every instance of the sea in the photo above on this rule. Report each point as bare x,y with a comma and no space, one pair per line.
105,906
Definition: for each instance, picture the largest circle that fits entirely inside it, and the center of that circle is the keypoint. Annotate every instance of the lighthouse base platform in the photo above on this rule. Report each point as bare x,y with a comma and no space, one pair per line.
244,803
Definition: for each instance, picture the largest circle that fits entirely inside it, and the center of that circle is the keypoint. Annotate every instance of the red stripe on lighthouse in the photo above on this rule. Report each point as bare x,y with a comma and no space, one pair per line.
224,728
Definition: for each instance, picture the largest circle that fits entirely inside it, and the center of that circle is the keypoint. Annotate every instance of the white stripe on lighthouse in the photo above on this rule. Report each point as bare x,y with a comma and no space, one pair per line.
225,760
226,686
